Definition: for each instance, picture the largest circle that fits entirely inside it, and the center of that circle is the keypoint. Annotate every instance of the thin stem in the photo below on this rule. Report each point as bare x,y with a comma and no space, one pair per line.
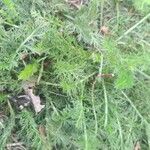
94,111
101,65
106,104
13,25
40,73
118,14
48,83
144,74
85,136
133,27
120,131
54,108
84,121
57,94
86,78
134,107
25,41
102,12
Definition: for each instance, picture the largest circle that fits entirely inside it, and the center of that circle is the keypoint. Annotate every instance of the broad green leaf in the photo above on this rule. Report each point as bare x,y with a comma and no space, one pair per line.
28,71
125,80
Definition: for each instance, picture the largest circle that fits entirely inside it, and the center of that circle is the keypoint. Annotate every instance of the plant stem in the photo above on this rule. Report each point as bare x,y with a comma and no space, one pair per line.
102,12
133,27
106,105
94,111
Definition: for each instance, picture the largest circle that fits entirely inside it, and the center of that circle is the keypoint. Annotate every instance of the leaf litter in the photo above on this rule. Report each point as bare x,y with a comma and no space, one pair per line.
28,98
28,87
36,101
137,146
104,30
77,3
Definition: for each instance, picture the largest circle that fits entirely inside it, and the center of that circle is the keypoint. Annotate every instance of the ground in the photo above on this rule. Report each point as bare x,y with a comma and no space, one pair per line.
75,74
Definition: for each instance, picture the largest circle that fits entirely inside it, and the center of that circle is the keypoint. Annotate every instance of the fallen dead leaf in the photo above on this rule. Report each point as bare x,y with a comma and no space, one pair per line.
42,131
20,101
13,146
23,56
36,101
28,84
2,120
104,30
137,146
75,3
105,75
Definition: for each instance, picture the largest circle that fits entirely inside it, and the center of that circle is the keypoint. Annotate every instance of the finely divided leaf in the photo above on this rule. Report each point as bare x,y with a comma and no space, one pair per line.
125,79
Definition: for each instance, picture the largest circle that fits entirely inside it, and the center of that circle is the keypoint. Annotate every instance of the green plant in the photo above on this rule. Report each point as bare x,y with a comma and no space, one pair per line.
95,86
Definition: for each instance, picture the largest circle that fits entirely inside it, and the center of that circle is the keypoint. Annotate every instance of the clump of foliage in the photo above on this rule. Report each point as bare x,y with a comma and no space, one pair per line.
94,84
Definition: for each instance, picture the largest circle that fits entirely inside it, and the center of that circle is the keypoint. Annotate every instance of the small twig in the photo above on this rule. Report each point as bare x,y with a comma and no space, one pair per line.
133,27
106,75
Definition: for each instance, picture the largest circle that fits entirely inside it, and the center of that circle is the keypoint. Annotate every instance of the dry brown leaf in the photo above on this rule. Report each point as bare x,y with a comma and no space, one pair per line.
28,84
36,101
76,3
104,30
13,146
105,75
23,56
42,131
137,146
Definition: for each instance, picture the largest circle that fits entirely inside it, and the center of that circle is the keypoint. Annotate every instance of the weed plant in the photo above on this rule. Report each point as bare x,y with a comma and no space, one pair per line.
95,84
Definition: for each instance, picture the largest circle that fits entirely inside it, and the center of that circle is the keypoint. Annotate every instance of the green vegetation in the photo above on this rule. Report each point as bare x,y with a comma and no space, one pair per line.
91,66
